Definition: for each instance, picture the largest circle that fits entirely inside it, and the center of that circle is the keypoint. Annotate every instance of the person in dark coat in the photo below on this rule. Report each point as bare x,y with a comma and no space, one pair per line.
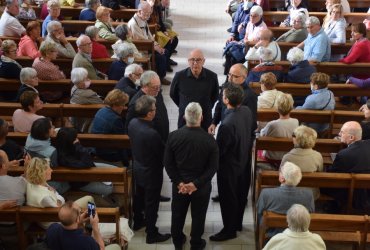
125,56
195,84
301,70
353,159
130,83
147,150
365,124
151,85
191,160
234,143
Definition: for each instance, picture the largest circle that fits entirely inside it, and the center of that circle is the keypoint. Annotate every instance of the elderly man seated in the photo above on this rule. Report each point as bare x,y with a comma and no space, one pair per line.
56,35
317,44
83,58
130,83
266,41
297,235
353,159
280,199
9,25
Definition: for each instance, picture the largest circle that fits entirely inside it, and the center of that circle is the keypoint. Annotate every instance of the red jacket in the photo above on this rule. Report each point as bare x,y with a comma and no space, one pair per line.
360,52
99,51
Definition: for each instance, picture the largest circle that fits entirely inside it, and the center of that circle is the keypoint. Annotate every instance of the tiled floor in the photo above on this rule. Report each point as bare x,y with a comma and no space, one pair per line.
200,24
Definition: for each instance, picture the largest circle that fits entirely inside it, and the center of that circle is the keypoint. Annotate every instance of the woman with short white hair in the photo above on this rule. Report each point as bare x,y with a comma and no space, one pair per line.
125,56
298,33
301,70
296,6
29,81
255,25
82,94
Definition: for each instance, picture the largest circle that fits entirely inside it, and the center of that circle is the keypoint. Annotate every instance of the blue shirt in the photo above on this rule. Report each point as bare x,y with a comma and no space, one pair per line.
45,25
87,15
317,47
320,99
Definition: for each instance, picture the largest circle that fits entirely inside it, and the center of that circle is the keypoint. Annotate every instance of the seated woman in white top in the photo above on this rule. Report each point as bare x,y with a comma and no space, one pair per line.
39,193
265,40
255,25
336,25
24,118
282,127
268,97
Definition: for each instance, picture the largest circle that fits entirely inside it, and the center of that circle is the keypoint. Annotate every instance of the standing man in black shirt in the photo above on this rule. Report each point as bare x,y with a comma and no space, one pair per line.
195,84
234,142
191,160
147,150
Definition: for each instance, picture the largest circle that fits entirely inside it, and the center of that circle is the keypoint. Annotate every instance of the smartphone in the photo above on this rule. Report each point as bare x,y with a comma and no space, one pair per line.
91,209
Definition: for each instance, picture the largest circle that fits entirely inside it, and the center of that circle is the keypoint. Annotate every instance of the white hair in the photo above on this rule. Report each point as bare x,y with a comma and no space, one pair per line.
53,3
193,113
78,75
295,55
122,50
298,218
147,77
291,173
265,54
80,39
298,15
27,74
257,10
312,20
131,69
52,25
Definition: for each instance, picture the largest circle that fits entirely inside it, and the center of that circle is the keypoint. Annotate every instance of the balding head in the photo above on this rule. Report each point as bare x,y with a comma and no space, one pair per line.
144,10
237,74
196,61
350,132
69,215
266,35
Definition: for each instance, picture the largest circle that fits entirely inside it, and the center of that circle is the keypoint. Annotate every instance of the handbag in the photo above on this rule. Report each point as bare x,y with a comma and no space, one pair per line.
235,50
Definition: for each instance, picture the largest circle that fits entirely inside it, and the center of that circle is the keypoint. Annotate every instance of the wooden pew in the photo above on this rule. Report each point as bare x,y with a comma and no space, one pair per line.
116,175
279,16
12,215
326,67
74,12
299,89
331,227
278,31
88,140
33,214
335,48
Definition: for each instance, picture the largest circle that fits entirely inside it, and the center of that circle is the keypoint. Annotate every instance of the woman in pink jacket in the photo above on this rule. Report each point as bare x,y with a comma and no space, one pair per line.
28,45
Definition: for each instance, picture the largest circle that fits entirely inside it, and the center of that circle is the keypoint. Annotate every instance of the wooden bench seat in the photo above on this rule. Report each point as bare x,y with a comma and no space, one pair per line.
278,31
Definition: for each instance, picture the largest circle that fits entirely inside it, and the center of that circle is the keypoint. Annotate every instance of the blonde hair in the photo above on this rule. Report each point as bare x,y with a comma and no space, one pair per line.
320,79
36,169
305,137
337,7
116,97
47,46
269,80
7,45
100,11
284,104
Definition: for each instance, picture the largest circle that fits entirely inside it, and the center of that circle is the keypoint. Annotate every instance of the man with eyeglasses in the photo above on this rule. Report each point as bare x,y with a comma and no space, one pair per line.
353,159
316,47
56,35
195,84
83,57
130,83
9,24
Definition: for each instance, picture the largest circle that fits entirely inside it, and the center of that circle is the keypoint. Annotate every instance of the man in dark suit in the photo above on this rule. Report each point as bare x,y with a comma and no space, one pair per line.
147,150
195,84
234,140
353,159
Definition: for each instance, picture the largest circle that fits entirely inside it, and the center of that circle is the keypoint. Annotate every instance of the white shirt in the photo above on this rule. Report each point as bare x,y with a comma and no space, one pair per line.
10,26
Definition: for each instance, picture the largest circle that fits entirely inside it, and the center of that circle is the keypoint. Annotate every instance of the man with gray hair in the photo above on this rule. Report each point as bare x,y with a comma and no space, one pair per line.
9,24
191,160
83,57
316,47
353,159
130,83
297,235
56,35
280,199
147,150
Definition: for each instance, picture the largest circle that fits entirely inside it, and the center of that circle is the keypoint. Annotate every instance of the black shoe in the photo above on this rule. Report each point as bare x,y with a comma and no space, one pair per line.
158,237
221,236
229,30
180,247
169,69
202,245
216,198
138,225
172,62
164,199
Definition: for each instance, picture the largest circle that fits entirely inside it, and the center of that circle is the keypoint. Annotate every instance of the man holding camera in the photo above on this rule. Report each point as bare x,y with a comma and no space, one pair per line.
70,235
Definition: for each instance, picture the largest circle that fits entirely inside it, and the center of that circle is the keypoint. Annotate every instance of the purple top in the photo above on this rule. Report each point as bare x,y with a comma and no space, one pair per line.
361,83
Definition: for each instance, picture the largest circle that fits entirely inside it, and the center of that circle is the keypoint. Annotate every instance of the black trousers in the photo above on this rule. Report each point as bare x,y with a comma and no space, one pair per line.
198,204
147,199
171,46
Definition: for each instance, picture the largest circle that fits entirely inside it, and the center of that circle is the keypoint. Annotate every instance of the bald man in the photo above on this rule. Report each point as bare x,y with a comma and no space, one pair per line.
353,159
195,84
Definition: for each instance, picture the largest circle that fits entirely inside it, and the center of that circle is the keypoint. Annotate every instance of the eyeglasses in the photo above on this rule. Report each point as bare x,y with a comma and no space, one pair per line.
86,44
155,87
195,60
233,76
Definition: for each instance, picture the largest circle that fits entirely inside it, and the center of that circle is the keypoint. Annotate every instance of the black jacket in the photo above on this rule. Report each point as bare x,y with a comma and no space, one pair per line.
126,85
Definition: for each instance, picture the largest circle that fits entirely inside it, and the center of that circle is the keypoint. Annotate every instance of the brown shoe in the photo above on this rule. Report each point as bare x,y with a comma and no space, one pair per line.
164,81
